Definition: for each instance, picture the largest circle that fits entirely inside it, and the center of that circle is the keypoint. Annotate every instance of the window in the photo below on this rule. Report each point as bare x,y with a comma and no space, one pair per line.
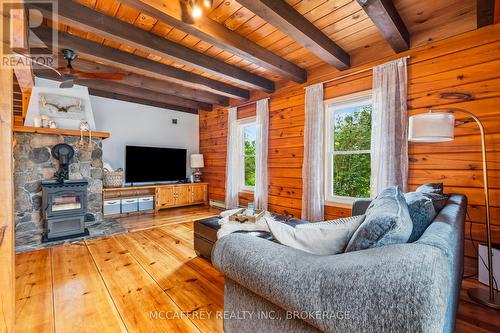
348,141
247,135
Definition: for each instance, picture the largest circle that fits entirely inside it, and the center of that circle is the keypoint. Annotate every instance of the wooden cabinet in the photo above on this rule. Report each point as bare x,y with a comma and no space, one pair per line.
166,196
198,193
181,195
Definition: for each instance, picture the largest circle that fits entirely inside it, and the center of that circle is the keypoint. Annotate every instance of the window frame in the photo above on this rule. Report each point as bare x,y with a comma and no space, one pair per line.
242,123
355,99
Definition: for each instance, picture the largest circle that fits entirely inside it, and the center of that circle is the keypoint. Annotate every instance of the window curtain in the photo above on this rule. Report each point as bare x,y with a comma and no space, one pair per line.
262,124
313,197
232,160
389,155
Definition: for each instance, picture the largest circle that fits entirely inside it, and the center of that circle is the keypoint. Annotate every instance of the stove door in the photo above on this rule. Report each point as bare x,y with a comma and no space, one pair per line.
65,203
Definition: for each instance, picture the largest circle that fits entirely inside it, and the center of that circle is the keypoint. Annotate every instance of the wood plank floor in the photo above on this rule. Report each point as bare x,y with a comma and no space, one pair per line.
144,281
167,216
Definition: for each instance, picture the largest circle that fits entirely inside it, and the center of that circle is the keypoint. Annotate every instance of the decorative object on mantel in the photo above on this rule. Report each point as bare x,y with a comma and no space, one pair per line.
52,124
196,164
68,107
438,126
85,127
45,120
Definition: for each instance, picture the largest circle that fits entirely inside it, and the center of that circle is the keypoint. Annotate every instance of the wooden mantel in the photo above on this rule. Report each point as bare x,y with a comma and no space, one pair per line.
57,131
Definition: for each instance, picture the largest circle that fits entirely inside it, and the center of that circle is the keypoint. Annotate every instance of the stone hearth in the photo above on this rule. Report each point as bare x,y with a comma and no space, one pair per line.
33,163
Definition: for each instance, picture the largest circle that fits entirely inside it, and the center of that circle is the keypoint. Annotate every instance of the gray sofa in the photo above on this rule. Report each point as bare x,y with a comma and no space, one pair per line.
412,287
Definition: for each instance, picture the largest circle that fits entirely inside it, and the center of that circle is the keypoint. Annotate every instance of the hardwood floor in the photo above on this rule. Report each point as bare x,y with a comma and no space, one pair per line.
167,216
127,283
144,281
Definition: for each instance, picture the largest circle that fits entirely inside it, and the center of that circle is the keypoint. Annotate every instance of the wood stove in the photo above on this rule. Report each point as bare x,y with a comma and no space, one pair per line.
64,206
64,202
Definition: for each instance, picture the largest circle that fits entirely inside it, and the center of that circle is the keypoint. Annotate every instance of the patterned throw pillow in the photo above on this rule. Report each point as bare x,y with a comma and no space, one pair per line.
422,213
387,222
322,238
434,191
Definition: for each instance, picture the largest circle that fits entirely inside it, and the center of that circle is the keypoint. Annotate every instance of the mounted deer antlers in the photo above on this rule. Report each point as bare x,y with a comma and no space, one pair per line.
64,108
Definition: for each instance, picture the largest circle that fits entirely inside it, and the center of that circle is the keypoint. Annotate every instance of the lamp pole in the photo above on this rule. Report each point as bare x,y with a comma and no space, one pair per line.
489,298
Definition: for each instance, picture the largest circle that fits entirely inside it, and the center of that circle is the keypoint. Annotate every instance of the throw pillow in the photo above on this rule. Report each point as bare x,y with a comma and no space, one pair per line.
421,211
434,191
431,188
387,222
322,238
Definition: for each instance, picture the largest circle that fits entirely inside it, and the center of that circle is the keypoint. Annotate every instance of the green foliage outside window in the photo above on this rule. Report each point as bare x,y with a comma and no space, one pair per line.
249,156
351,172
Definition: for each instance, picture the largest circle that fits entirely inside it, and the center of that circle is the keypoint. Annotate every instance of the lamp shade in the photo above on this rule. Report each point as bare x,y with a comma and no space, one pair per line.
432,127
197,161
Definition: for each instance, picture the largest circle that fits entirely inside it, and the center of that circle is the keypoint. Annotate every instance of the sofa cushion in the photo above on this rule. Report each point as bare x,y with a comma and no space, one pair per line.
322,238
421,211
434,191
387,222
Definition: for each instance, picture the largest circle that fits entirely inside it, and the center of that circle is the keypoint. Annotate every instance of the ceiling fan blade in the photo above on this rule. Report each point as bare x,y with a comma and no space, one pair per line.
102,76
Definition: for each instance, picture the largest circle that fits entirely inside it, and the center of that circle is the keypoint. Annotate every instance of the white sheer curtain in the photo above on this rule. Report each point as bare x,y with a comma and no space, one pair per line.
262,124
313,197
232,160
389,152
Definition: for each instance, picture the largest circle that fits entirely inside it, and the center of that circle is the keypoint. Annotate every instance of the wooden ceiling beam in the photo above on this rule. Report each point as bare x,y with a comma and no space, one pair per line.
386,18
141,81
87,19
217,34
114,57
485,12
285,18
112,87
128,98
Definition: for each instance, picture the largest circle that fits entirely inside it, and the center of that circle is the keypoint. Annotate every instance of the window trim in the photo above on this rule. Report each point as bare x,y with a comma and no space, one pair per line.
346,100
242,123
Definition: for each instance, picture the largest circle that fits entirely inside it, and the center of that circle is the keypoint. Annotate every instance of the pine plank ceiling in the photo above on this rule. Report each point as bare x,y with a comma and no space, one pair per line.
343,21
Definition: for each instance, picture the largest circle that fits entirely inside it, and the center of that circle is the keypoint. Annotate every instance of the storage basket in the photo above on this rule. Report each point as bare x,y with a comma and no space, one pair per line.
113,178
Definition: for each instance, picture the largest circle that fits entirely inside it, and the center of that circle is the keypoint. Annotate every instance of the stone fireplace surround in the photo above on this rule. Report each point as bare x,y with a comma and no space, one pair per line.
33,163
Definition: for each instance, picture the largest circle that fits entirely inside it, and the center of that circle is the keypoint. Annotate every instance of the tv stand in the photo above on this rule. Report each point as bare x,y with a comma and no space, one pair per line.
165,195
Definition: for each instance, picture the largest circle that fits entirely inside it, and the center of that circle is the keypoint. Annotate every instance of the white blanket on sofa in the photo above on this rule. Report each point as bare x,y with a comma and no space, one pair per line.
227,227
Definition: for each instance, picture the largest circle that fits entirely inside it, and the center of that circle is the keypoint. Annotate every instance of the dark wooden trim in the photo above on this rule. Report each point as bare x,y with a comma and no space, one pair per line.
485,12
285,18
86,19
131,99
108,55
178,103
386,17
220,36
140,81
496,18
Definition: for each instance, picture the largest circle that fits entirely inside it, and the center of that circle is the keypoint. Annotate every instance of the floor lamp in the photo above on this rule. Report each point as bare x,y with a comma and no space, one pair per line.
438,126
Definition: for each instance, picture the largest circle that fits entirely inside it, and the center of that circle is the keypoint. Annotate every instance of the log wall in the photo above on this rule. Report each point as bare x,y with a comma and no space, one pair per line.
460,72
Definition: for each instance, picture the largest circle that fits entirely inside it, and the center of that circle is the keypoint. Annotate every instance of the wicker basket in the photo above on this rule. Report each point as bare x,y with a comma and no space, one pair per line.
113,178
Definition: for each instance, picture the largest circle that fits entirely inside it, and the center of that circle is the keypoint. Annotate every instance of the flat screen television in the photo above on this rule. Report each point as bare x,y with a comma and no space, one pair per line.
154,165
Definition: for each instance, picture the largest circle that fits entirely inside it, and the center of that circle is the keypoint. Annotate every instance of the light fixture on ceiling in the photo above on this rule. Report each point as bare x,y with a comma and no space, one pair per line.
196,6
196,11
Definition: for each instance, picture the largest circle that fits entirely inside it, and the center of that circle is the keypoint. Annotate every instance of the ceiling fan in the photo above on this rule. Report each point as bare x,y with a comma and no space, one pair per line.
70,75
